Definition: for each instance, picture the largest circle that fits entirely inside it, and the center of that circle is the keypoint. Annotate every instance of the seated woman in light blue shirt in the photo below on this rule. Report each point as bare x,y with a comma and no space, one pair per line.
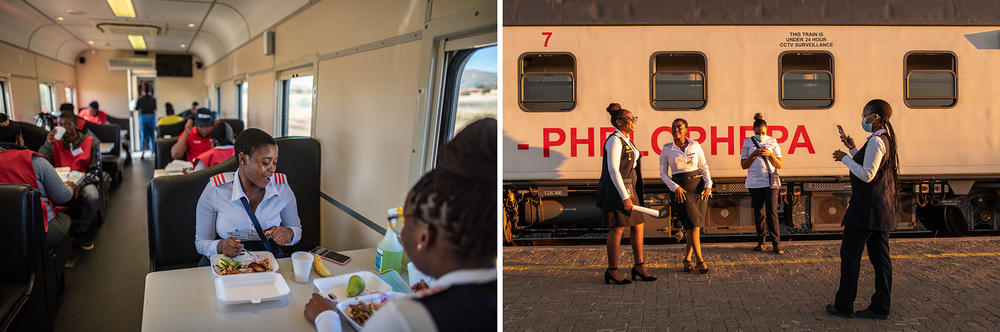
223,225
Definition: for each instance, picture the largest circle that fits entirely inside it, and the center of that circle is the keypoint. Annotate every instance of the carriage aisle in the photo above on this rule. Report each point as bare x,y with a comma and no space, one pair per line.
935,283
104,288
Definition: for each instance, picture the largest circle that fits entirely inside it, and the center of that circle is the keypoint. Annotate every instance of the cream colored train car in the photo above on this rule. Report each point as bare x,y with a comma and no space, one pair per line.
564,65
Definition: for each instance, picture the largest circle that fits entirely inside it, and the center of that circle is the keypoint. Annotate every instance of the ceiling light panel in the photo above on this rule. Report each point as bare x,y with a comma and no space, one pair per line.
122,8
138,43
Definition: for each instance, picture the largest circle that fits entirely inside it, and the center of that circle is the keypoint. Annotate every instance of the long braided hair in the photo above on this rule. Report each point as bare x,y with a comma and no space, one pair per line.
459,196
884,111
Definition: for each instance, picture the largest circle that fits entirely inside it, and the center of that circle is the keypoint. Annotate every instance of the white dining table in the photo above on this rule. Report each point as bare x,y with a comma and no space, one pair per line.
184,300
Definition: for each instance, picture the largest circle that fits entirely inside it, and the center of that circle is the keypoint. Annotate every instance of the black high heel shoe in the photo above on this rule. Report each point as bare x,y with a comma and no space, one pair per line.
705,270
687,266
635,273
608,278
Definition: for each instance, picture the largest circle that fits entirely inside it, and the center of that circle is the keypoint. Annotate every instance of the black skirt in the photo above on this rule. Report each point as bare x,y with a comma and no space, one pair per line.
693,211
621,218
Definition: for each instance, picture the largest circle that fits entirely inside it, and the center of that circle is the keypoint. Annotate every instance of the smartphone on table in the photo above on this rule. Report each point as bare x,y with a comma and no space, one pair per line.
331,255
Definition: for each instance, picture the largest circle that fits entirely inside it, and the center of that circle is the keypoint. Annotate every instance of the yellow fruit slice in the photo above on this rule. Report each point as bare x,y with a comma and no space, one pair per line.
319,267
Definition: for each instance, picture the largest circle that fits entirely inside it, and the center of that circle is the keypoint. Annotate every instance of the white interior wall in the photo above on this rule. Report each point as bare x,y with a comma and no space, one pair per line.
366,103
24,70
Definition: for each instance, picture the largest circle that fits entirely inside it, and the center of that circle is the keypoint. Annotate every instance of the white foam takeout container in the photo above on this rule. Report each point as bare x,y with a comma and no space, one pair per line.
245,259
377,297
251,288
338,285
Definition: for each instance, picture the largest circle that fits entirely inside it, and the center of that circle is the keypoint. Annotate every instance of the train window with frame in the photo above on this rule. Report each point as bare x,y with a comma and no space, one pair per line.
470,89
241,100
930,80
677,81
805,80
3,98
218,101
296,104
47,97
547,82
70,95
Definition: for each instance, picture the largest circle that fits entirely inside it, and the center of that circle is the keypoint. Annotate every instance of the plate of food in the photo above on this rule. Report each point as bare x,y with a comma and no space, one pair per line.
359,309
351,285
247,262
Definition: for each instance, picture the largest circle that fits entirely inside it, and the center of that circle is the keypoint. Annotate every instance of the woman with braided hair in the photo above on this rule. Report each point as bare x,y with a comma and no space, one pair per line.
450,234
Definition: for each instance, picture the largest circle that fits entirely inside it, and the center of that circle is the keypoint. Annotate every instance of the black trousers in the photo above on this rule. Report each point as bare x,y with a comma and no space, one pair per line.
764,204
855,240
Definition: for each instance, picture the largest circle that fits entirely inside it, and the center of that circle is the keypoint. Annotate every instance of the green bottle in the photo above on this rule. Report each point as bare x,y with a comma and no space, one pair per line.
389,253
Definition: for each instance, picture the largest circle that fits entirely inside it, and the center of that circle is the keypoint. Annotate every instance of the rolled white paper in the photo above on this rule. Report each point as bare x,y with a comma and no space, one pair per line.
646,210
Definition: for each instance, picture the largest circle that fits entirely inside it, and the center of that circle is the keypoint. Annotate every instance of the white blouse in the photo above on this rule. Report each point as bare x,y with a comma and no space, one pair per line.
674,161
757,173
221,215
872,158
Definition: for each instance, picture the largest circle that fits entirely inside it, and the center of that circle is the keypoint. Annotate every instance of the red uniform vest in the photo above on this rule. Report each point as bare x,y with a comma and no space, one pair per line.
214,156
196,145
63,157
100,118
17,168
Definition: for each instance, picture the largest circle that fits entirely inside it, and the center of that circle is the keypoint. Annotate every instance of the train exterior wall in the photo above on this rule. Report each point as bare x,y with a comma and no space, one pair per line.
613,65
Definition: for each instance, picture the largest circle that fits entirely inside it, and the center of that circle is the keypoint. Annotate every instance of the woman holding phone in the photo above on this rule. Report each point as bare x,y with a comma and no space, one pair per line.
760,155
871,214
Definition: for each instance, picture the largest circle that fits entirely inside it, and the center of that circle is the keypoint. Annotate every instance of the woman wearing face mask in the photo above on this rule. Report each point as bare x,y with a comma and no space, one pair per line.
871,214
684,169
618,191
761,157
450,234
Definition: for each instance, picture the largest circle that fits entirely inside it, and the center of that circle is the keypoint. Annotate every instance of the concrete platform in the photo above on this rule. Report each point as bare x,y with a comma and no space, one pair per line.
943,284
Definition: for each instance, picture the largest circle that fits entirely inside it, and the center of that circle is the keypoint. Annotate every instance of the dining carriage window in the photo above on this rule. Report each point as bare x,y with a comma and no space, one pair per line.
48,98
805,80
3,97
677,81
547,82
930,80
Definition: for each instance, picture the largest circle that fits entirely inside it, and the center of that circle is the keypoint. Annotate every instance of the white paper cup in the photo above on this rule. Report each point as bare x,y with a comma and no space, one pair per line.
302,264
60,131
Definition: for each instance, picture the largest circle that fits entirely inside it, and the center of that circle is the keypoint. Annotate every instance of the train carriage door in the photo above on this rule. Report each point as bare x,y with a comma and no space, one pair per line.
296,97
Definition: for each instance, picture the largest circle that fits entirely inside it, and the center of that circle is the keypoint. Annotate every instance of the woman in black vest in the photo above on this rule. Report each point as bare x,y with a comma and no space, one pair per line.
871,213
619,190
450,234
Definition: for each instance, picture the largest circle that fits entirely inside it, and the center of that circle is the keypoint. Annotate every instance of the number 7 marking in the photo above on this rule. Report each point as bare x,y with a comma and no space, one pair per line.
547,36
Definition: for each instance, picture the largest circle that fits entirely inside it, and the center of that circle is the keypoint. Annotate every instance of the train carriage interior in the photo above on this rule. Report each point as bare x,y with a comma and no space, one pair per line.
359,96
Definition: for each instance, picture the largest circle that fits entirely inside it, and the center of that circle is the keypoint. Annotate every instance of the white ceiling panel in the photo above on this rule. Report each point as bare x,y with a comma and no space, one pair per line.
18,21
47,38
228,25
261,15
223,26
